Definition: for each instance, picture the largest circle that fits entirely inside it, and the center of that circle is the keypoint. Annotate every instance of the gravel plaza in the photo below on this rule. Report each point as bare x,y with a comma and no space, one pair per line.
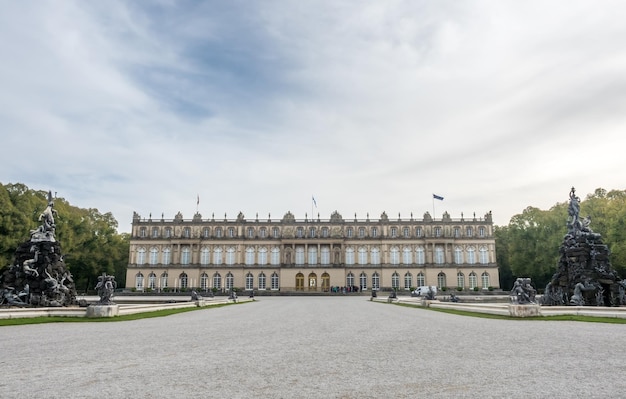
314,347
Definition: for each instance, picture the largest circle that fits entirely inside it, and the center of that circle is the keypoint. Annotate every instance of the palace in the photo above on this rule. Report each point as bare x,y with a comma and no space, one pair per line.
313,255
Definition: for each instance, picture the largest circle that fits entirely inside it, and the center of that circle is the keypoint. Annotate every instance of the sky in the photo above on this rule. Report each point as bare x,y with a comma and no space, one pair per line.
224,107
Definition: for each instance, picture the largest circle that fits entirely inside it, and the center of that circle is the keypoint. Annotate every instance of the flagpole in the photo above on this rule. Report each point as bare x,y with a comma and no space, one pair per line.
433,207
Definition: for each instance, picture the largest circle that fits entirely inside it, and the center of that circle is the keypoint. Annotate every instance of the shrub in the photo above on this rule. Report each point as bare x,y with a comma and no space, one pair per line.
459,288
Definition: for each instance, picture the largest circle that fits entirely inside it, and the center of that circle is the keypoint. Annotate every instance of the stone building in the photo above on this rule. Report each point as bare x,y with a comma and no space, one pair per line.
311,255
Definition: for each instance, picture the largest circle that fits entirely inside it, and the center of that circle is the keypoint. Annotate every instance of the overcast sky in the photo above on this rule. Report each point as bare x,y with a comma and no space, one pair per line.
259,106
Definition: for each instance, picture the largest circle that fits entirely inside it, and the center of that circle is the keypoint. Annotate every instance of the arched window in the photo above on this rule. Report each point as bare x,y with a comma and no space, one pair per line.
155,232
375,256
421,280
481,231
483,255
204,281
275,256
363,281
217,256
275,281
349,232
262,256
230,280
349,256
393,232
394,255
460,280
312,255
418,232
262,232
407,257
152,278
395,280
250,232
408,281
164,280
439,257
154,255
325,255
217,281
361,232
470,231
139,281
219,233
205,256
406,232
471,255
141,256
350,280
473,280
230,255
249,281
485,280
168,232
262,281
375,281
206,232
299,255
167,256
186,232
362,256
458,255
184,280
231,232
420,259
276,232
250,256
185,256
441,280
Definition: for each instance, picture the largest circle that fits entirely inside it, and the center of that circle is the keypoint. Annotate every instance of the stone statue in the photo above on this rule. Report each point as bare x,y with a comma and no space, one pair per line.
522,292
105,288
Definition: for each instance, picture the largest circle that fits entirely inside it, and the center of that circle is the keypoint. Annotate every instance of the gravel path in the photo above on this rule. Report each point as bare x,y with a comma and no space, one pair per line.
313,347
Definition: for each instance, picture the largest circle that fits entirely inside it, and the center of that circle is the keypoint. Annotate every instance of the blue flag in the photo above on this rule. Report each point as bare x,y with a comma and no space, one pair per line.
438,197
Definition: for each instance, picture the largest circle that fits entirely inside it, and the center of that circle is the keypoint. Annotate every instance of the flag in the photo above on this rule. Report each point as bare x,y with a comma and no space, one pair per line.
438,197
313,198
198,201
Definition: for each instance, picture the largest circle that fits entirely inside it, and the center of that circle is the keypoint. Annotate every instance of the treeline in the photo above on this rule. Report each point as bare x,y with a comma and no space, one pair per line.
89,239
529,245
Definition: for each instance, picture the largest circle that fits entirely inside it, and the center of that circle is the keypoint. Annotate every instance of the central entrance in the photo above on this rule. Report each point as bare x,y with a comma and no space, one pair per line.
312,282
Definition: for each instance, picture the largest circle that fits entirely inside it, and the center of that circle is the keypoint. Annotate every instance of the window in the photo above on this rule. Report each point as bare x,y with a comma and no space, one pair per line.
419,256
139,281
205,256
206,232
312,232
262,256
457,232
154,255
184,280
230,280
408,281
394,232
230,255
375,281
164,280
407,259
481,231
485,280
231,232
275,232
325,232
275,256
263,232
168,232
470,232
395,280
349,256
325,255
250,232
155,232
441,280
250,256
363,281
458,255
299,255
473,280
483,255
152,281
361,232
275,281
362,256
167,256
262,281
185,256
219,233
418,232
249,281
471,255
299,232
460,279
349,232
439,257
142,232
420,279
374,231
406,232
437,231
186,232
394,255
217,256
312,255
217,281
375,256
141,256
350,280
204,281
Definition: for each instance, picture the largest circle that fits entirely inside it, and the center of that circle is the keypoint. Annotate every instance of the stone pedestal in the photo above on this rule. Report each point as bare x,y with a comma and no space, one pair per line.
529,310
103,311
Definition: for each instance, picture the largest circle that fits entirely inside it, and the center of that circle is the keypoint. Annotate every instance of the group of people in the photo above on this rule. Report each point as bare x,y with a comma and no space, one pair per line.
345,290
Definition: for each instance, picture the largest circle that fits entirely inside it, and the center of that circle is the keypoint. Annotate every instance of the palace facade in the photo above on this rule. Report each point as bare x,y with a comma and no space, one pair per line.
292,254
